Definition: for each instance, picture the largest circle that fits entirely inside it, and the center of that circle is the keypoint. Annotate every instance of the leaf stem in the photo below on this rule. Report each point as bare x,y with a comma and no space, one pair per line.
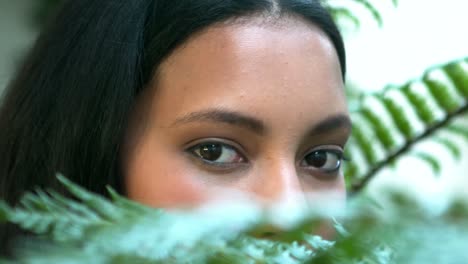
359,185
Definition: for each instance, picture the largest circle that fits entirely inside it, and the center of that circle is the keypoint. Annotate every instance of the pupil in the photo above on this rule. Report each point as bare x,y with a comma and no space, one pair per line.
317,158
211,152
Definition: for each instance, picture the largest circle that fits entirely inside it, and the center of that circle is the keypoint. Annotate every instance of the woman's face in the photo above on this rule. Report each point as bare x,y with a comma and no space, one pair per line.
255,107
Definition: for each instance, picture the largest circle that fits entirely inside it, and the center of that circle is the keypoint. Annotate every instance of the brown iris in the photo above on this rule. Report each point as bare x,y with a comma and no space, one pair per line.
316,159
211,152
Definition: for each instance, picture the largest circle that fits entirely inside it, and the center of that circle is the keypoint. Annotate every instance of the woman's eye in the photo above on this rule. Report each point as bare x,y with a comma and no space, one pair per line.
326,160
217,153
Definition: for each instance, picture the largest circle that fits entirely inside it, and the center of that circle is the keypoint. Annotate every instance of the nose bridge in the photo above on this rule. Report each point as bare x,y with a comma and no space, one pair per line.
279,180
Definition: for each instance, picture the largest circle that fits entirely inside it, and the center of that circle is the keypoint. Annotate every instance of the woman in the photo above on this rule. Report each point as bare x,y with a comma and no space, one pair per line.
174,103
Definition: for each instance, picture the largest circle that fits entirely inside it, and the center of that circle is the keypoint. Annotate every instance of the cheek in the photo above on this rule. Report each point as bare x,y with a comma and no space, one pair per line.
322,194
159,178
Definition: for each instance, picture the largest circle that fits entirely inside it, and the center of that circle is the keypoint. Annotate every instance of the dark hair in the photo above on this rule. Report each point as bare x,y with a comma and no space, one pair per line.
67,109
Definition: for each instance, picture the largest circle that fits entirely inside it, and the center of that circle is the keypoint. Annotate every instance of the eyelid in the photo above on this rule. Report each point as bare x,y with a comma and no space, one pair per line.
225,141
217,166
323,174
335,148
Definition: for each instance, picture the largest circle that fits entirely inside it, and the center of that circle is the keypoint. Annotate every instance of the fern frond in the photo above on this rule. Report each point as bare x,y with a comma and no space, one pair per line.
458,130
59,216
375,13
429,159
365,144
399,116
122,230
209,237
380,128
457,73
339,13
422,107
440,87
418,110
453,148
343,10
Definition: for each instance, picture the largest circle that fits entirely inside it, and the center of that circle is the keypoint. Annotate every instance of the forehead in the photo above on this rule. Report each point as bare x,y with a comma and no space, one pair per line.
257,67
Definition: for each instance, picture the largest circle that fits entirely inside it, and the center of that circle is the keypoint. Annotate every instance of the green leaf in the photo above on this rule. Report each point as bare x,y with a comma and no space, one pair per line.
443,85
399,117
421,106
441,92
458,130
404,231
339,12
131,207
450,145
365,145
432,161
458,73
344,13
99,204
375,13
381,130
350,171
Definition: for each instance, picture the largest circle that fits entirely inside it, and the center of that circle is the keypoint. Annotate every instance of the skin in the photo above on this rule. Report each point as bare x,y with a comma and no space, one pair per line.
271,90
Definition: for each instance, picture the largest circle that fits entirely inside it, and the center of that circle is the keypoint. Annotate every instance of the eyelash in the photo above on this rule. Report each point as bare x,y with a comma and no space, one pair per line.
197,152
241,159
337,154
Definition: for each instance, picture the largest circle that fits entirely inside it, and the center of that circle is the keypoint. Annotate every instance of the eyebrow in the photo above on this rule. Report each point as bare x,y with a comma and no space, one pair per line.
223,116
332,123
329,124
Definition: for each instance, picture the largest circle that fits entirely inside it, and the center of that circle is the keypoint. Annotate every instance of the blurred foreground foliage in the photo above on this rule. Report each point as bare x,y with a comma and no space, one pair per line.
91,229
